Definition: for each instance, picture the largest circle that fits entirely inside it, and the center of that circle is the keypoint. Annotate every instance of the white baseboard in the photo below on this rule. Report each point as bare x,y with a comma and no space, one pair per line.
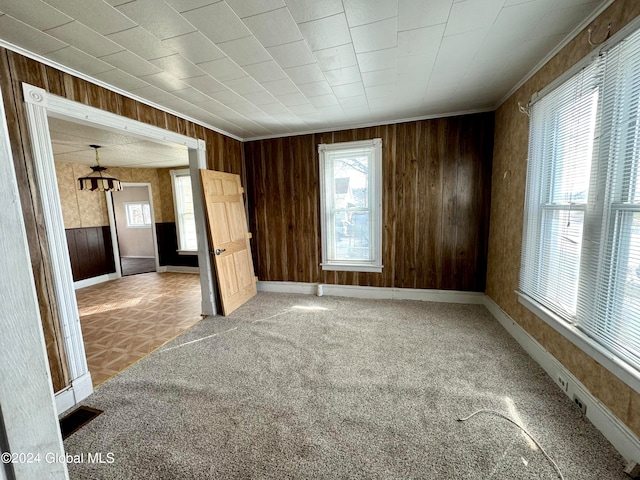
288,287
447,296
79,389
178,269
87,282
623,439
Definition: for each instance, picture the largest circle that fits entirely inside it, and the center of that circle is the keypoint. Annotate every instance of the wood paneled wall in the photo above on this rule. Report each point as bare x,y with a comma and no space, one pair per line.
90,252
436,200
222,154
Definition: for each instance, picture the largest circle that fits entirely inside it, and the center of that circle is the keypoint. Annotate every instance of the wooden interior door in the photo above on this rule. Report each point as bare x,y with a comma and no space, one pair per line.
229,237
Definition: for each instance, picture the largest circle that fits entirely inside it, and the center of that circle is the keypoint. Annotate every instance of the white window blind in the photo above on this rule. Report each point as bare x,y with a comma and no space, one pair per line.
581,245
183,207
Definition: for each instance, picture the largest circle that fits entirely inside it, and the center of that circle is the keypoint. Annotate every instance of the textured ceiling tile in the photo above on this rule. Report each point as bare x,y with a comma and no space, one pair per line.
178,66
343,76
274,28
422,13
360,12
244,85
302,109
131,63
245,51
164,81
204,83
380,77
120,79
82,37
377,60
260,98
36,13
19,33
78,60
291,99
324,100
292,54
222,70
348,90
305,73
326,32
315,88
281,87
348,102
157,17
95,14
193,46
265,71
244,8
306,10
142,43
274,108
184,5
217,22
227,97
472,15
336,57
375,36
191,95
420,40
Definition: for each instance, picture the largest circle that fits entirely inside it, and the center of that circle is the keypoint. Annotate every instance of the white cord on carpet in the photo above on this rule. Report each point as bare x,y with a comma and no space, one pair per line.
494,412
223,331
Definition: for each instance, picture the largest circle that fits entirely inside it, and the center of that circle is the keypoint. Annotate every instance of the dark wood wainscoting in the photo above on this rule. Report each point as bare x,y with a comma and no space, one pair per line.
90,252
436,199
168,247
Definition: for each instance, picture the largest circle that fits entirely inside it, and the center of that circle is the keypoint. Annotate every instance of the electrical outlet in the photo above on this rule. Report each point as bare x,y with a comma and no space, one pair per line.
564,385
580,403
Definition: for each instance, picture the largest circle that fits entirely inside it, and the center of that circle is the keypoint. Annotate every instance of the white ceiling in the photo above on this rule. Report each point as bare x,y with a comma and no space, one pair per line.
71,142
256,68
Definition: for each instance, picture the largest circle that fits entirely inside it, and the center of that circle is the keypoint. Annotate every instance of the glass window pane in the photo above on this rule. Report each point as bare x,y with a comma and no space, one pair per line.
574,134
561,242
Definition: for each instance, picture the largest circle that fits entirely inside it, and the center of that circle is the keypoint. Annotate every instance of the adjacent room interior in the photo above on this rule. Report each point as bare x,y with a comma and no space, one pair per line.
130,232
437,203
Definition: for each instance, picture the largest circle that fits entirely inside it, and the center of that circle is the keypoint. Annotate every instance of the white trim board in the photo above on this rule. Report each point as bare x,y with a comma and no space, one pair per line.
88,282
611,427
428,295
178,269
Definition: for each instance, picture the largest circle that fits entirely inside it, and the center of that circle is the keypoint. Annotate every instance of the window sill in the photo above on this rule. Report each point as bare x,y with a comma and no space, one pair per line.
350,267
187,252
604,357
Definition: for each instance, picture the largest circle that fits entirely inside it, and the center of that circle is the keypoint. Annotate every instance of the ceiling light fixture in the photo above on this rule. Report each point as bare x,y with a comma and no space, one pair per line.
96,180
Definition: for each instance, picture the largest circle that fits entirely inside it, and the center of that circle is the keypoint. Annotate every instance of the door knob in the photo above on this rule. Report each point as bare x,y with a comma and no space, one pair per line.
220,250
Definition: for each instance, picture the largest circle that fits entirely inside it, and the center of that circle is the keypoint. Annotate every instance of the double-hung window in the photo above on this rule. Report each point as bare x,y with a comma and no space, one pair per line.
351,205
138,214
581,243
183,207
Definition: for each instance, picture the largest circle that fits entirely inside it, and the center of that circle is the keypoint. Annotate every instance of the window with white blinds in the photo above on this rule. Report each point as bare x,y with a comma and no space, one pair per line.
581,245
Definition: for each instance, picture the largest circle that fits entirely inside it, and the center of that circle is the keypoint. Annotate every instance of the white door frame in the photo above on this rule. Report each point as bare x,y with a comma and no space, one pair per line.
39,105
113,228
29,415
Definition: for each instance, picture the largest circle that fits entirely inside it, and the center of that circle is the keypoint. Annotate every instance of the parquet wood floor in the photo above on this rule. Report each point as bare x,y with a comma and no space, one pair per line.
126,319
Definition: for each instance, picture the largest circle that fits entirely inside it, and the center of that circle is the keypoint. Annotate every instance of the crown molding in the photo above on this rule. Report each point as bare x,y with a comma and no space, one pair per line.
100,83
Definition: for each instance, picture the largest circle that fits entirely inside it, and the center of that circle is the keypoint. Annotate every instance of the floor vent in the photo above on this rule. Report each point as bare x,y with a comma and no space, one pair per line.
77,419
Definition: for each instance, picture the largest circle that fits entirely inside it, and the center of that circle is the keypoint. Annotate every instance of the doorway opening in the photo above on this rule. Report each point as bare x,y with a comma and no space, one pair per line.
135,229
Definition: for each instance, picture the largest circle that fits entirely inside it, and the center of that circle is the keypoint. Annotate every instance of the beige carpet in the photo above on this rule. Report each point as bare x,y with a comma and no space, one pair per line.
304,387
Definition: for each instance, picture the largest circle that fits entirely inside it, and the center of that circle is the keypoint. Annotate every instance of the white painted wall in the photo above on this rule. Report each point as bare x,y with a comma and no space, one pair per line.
132,241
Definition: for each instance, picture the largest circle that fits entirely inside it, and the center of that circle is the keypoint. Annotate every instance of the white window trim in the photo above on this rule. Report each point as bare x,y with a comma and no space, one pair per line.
604,357
182,172
374,266
126,212
611,362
